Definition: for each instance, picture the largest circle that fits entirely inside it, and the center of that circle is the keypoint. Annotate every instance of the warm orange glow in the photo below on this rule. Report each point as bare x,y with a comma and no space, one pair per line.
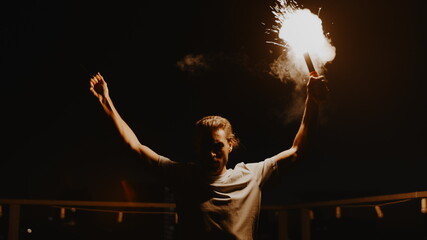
311,214
379,212
424,205
120,217
62,213
338,212
128,191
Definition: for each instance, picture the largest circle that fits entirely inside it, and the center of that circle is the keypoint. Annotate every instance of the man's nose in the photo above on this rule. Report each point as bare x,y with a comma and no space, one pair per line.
213,154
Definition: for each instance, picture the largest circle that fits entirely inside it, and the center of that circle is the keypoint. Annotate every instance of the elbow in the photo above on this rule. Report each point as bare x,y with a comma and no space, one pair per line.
133,146
294,153
136,147
299,152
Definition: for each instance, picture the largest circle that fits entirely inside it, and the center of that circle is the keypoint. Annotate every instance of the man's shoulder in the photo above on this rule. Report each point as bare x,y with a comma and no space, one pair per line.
250,165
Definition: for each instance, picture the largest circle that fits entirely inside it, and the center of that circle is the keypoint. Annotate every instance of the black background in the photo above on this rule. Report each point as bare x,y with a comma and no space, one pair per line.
58,144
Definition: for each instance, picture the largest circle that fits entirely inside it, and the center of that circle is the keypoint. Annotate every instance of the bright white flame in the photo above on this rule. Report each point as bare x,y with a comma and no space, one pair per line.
298,31
301,32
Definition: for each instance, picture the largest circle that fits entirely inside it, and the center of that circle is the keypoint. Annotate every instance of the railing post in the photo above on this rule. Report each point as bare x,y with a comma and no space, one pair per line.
283,225
305,224
14,214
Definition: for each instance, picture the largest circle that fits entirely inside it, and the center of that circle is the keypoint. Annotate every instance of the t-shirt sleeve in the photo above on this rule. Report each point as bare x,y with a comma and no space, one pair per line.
164,162
169,169
165,165
270,168
264,169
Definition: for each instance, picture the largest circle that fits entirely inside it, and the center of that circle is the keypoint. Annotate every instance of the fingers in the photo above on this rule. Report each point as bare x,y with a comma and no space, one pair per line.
317,88
99,77
318,77
96,79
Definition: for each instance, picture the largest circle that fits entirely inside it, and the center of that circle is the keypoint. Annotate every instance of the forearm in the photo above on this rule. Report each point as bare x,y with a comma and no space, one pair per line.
300,143
127,133
123,128
316,93
307,127
99,88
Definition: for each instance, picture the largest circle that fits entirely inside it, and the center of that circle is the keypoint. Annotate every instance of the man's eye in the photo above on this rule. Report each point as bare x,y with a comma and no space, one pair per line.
218,146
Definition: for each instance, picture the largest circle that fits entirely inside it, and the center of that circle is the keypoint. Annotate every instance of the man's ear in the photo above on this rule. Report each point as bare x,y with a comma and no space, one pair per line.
231,143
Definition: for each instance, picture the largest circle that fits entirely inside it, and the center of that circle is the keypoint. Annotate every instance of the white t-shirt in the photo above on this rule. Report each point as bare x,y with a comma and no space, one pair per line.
224,207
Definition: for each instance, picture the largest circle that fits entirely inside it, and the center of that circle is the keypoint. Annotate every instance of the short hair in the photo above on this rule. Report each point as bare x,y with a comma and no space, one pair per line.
215,122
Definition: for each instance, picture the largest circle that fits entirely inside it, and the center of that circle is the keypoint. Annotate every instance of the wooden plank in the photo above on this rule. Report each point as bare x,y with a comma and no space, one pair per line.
380,198
87,203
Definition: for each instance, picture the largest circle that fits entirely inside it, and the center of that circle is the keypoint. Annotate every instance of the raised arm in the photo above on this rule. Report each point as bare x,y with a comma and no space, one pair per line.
316,93
99,88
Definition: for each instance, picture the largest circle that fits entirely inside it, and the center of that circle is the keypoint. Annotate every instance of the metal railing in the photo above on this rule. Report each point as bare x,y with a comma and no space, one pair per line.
14,209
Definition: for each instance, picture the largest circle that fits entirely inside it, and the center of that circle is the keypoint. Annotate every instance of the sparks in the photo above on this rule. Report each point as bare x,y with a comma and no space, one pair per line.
301,33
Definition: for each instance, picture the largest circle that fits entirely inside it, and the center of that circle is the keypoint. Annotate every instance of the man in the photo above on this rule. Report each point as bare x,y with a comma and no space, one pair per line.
214,202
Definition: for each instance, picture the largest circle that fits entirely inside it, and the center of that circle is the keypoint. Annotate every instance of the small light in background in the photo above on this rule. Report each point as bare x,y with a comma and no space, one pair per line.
379,212
311,214
120,217
338,212
62,213
424,205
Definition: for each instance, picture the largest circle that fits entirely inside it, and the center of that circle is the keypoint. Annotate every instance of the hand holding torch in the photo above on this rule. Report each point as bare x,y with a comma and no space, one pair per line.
303,34
321,90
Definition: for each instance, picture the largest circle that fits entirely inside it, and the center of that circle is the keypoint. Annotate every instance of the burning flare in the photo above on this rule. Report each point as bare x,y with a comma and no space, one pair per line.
301,32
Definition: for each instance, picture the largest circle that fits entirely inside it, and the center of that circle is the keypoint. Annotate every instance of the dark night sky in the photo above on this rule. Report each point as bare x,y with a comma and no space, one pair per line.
58,144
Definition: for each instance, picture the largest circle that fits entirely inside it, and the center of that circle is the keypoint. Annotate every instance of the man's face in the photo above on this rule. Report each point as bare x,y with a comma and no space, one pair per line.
213,149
